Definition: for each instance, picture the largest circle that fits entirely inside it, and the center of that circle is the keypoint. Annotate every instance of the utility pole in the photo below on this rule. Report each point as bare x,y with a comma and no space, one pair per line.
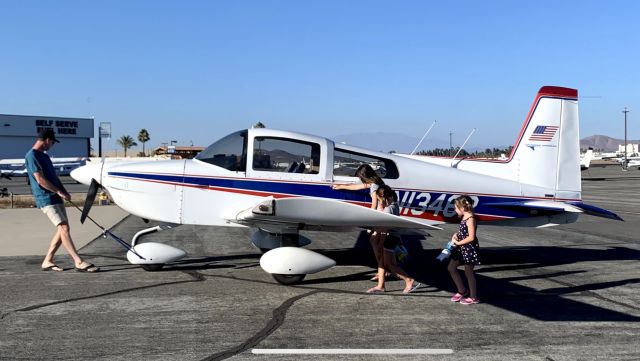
450,141
625,111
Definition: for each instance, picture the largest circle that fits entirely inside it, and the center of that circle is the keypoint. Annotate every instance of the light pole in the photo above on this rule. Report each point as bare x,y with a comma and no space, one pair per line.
450,142
625,111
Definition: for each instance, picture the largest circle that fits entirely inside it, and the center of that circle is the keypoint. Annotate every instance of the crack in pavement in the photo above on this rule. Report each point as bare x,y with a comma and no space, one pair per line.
276,321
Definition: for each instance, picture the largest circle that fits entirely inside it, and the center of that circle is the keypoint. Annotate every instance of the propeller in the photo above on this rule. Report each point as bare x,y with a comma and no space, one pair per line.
88,203
91,197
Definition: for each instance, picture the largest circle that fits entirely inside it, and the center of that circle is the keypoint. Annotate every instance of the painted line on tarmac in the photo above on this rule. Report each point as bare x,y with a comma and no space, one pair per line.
352,351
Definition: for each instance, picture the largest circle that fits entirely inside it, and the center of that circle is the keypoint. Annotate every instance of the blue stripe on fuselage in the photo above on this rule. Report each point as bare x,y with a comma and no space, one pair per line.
322,190
413,203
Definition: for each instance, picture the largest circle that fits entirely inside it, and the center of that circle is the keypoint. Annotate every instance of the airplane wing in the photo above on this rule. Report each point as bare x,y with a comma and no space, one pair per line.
6,174
324,214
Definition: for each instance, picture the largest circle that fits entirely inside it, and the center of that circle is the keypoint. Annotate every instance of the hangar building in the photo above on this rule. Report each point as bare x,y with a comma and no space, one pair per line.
19,132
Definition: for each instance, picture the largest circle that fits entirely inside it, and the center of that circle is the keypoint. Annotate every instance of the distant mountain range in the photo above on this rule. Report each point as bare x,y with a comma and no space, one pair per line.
402,143
604,143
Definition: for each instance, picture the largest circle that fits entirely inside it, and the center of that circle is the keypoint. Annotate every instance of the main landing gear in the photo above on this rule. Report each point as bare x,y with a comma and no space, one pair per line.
284,258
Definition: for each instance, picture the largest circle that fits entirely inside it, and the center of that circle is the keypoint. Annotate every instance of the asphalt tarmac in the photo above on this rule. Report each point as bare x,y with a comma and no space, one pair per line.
560,293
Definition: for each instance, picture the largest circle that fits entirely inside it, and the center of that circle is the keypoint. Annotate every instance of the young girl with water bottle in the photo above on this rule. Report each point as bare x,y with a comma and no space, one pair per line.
466,252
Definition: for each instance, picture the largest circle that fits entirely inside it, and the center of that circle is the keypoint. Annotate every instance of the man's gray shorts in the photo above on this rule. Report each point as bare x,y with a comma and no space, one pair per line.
56,213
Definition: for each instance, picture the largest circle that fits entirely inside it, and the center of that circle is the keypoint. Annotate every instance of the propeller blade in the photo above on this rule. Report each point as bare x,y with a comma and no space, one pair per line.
91,197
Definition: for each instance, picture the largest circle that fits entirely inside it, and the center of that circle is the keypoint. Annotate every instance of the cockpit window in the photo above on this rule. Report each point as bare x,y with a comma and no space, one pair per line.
345,163
228,152
285,155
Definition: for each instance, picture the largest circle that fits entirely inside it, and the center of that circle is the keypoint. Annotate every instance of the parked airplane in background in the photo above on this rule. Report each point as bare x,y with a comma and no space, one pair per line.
633,163
632,159
63,166
585,160
280,183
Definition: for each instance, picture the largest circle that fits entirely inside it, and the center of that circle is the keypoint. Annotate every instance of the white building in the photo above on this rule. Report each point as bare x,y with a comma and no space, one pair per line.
19,132
631,148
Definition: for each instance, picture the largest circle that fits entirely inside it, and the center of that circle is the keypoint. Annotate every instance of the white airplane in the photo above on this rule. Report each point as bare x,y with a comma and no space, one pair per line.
63,166
633,163
257,178
633,160
585,160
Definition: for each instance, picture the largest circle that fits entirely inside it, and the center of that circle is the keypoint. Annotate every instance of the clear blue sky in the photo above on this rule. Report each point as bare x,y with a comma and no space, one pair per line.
194,71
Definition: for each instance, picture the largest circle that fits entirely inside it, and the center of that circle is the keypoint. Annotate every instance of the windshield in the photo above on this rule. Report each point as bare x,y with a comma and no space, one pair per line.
228,152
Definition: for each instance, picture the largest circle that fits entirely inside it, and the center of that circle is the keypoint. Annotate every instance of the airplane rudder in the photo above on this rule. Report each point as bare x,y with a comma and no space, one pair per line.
569,182
549,130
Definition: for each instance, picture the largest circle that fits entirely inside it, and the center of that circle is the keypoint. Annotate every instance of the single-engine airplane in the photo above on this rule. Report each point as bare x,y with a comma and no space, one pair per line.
280,183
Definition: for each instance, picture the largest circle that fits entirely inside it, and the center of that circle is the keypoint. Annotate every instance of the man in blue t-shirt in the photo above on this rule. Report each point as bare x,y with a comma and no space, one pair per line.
48,192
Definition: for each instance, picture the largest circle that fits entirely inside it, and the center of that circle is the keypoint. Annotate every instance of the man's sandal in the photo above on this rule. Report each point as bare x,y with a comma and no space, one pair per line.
53,267
89,268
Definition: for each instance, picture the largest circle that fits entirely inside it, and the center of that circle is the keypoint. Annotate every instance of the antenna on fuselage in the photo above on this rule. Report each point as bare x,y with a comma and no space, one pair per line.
462,146
425,134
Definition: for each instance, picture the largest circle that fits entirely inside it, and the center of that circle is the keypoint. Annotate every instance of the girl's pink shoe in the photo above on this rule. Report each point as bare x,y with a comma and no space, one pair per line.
469,301
458,296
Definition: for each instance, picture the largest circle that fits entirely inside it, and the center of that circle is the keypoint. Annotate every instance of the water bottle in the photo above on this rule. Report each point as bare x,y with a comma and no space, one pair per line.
446,252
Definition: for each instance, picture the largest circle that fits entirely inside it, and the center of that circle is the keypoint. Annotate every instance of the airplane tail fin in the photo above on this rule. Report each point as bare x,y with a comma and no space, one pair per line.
585,161
547,152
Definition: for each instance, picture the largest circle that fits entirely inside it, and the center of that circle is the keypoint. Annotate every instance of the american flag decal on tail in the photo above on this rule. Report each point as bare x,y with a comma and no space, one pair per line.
543,133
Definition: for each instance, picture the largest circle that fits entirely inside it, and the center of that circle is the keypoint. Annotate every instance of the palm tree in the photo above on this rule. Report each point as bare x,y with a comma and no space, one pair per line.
126,142
143,137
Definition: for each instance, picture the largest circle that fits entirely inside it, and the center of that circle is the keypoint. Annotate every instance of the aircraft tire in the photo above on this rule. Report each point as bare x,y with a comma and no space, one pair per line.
287,280
152,267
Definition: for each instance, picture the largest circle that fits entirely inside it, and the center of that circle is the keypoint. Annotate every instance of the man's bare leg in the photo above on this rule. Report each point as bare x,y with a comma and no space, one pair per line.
67,243
53,248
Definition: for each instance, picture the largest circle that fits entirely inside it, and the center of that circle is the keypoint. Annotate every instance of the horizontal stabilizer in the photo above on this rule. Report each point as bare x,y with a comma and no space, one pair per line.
596,211
548,206
326,213
556,207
